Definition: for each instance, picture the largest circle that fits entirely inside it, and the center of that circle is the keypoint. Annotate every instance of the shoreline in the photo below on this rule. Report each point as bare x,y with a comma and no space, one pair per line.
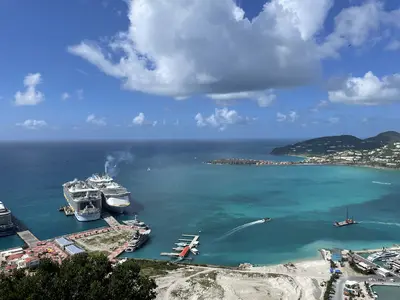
258,163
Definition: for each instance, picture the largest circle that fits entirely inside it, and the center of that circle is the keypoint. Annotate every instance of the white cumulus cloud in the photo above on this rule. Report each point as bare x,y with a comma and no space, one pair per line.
221,119
65,96
79,94
187,47
33,124
30,96
290,117
367,90
141,120
393,45
263,98
360,24
333,120
92,119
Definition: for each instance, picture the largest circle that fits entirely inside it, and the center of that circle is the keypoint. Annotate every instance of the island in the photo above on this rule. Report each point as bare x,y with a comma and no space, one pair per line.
387,156
339,143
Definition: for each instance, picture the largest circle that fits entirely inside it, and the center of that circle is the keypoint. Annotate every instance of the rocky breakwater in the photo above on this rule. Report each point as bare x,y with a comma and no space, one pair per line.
244,161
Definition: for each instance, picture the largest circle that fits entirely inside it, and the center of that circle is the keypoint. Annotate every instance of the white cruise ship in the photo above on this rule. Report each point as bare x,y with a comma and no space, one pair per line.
115,197
84,200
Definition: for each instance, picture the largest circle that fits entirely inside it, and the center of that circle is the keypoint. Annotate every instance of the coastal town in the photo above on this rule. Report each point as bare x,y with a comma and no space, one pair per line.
387,156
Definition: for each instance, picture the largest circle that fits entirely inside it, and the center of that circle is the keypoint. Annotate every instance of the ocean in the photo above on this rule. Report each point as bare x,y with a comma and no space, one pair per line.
181,194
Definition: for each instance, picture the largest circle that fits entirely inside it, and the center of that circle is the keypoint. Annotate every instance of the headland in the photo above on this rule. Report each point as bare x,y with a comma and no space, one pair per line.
331,144
385,157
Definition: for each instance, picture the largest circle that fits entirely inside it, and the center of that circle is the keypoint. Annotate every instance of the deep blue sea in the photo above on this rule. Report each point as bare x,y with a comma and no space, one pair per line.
180,194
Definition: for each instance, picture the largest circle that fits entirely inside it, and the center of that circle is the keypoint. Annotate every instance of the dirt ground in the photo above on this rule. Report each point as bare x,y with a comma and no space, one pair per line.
300,280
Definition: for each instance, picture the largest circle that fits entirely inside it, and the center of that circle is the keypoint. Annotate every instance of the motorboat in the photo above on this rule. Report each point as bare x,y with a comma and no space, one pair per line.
266,220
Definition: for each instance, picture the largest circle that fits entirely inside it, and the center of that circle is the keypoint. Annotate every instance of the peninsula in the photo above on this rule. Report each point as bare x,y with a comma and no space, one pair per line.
387,156
333,144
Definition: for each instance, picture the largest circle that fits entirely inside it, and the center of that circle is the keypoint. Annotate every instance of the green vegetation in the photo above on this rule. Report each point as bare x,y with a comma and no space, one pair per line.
329,144
82,276
156,267
330,290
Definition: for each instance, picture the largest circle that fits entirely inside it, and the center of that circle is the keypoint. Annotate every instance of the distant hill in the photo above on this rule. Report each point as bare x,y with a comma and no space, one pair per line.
332,144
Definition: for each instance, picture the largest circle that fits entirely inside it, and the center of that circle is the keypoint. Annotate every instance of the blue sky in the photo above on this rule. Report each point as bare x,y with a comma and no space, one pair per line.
198,69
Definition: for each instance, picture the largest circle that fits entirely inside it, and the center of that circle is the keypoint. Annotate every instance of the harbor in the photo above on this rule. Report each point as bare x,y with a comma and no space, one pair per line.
113,240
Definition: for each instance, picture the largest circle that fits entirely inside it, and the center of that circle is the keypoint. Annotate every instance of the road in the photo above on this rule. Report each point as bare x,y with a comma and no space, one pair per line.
339,286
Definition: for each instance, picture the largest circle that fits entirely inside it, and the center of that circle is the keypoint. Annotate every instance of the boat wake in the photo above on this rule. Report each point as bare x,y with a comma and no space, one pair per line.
380,223
239,228
379,182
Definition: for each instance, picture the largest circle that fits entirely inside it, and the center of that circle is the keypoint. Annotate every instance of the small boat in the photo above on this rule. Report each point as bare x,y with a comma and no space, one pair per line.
178,248
348,221
136,223
266,220
194,251
182,244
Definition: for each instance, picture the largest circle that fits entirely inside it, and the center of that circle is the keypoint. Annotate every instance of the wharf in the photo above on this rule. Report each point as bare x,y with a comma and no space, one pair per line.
169,254
68,210
194,241
24,233
385,284
396,248
110,219
117,251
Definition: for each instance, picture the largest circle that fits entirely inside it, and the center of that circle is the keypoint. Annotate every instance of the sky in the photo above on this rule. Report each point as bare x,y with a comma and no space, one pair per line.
206,69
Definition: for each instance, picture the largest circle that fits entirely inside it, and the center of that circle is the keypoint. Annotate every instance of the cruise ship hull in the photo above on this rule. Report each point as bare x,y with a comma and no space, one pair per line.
8,232
118,206
87,217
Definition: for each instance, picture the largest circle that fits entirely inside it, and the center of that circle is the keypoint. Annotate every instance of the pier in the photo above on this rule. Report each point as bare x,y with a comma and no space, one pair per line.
110,219
117,252
68,210
394,248
191,247
24,233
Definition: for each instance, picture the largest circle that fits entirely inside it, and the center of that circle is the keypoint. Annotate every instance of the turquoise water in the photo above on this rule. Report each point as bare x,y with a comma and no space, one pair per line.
182,195
387,292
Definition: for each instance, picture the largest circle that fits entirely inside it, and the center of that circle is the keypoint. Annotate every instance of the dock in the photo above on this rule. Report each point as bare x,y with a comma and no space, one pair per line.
396,248
117,251
110,219
181,255
169,254
24,233
68,210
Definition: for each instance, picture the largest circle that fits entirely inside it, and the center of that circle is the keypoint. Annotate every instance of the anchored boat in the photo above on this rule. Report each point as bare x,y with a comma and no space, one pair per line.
348,221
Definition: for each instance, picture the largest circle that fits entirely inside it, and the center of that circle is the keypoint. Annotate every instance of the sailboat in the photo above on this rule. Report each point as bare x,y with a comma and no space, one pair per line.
348,221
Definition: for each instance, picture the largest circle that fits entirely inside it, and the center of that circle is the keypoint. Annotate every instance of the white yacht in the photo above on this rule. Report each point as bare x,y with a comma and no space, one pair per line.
115,197
136,223
382,255
84,200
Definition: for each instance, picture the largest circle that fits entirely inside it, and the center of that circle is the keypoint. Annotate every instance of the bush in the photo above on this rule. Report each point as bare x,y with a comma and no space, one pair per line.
329,286
82,276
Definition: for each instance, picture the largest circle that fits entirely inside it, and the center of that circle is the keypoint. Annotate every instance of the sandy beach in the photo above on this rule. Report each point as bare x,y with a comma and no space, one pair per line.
300,280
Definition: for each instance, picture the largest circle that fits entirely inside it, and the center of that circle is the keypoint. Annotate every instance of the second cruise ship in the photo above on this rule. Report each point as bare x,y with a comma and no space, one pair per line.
115,197
84,200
